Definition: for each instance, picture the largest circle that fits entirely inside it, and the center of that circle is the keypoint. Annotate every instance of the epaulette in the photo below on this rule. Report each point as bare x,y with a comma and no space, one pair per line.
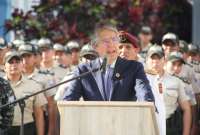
151,72
46,72
195,62
184,79
35,81
190,65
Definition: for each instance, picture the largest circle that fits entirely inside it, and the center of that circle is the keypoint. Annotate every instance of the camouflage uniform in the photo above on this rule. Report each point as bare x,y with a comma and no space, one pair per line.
6,114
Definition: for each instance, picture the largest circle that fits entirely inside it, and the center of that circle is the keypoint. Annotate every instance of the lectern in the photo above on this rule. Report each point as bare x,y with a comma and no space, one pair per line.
107,118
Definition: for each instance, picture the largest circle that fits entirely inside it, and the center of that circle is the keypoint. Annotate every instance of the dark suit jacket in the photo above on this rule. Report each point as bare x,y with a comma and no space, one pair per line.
129,83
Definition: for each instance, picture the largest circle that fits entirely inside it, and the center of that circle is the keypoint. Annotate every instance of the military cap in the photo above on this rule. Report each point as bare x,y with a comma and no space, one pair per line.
146,30
155,49
73,45
16,43
171,37
26,49
9,55
44,43
88,50
192,48
34,42
175,56
183,45
58,47
126,37
2,43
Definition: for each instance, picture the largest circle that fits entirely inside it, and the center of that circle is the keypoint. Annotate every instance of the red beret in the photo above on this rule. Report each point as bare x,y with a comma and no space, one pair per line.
126,37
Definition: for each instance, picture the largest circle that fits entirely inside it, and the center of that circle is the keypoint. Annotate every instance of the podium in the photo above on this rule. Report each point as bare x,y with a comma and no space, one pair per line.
107,118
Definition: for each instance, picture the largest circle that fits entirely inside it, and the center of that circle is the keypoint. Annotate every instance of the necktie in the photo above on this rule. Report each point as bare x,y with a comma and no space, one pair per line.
108,81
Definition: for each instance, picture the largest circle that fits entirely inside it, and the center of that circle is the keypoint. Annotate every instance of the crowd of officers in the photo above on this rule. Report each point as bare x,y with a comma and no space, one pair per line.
26,67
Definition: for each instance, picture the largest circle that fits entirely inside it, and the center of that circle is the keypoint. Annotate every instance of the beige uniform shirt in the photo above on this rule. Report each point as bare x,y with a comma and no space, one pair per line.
45,80
189,74
173,92
58,72
159,103
22,88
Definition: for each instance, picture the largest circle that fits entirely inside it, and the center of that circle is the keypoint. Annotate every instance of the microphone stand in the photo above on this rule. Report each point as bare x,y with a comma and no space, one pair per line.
21,101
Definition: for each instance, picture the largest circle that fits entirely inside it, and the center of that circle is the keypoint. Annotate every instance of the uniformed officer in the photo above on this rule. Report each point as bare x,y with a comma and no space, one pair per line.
170,43
174,66
173,93
21,87
6,114
129,47
127,50
58,73
62,56
3,50
38,55
87,53
75,50
145,37
47,63
194,57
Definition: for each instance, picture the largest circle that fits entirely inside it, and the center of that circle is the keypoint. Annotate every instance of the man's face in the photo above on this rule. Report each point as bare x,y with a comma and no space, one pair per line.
28,61
193,56
154,62
13,67
127,51
174,67
47,55
169,47
58,56
75,55
145,38
108,43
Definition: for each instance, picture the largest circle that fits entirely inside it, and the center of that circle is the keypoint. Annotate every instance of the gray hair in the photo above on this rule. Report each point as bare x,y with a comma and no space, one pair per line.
98,29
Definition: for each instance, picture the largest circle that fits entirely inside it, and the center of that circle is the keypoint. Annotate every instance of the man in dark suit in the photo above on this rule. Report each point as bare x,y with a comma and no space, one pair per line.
122,80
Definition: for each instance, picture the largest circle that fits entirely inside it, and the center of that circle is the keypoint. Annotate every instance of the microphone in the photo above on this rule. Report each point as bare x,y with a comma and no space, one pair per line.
104,63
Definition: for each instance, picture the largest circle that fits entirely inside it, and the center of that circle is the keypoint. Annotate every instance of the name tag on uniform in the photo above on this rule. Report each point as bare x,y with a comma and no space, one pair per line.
171,88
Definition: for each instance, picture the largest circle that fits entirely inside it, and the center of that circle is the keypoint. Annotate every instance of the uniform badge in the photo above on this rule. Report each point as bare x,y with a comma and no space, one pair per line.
117,75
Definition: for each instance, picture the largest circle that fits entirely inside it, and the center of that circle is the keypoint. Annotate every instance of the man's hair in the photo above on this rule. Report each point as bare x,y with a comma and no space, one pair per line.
98,29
